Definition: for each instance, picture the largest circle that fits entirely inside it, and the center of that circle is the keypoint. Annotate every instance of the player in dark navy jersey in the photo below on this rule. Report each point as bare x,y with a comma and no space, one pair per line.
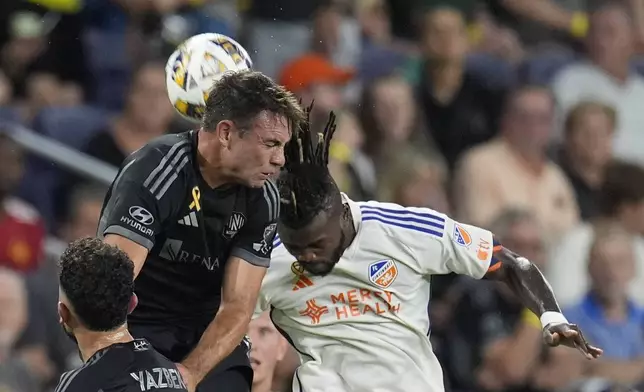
197,213
96,292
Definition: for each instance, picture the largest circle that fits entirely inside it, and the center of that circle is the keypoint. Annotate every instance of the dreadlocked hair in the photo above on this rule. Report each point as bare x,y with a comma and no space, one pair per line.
306,186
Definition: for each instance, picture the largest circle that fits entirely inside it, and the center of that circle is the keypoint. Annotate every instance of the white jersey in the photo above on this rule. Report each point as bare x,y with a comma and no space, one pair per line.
365,326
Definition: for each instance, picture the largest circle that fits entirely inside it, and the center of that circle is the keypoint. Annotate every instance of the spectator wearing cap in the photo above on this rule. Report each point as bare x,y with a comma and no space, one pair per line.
621,200
314,78
607,76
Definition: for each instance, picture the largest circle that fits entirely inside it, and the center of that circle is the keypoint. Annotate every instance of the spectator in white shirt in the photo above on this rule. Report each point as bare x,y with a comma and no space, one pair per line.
607,77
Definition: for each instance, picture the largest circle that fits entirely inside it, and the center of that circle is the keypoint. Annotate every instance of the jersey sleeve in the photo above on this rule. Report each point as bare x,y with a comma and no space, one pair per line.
254,242
443,245
274,279
139,201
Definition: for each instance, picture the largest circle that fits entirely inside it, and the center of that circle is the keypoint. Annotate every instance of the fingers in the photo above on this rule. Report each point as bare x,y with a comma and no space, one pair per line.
577,337
551,338
595,352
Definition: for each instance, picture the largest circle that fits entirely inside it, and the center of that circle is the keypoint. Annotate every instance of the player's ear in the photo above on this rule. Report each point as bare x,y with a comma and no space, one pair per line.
134,300
282,347
224,132
64,314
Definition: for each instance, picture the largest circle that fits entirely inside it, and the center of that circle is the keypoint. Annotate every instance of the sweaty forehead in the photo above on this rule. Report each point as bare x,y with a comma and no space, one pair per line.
272,125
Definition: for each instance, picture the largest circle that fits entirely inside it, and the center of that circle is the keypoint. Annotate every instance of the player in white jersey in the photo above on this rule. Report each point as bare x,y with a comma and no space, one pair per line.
349,282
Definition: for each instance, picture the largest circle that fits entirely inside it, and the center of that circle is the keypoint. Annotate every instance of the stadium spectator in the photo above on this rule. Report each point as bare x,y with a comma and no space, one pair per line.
484,315
335,36
607,76
268,347
148,114
587,150
543,22
15,374
279,31
414,180
22,232
390,120
608,311
351,168
460,110
514,171
314,78
621,201
43,328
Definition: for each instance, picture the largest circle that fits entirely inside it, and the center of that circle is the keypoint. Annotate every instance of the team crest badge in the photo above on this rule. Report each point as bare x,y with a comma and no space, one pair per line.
383,273
461,236
235,223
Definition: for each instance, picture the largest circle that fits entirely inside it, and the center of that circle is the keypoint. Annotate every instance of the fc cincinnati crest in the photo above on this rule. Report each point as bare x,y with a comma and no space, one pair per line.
461,236
235,223
383,273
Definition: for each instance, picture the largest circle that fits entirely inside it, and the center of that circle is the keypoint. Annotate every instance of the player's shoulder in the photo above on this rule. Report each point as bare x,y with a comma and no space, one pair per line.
171,149
279,255
266,196
398,221
87,377
161,163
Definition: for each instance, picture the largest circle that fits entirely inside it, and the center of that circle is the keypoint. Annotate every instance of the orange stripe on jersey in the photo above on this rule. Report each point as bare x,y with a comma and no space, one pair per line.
497,248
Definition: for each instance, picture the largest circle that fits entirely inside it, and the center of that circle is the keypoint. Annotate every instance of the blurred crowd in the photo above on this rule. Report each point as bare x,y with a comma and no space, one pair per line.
521,116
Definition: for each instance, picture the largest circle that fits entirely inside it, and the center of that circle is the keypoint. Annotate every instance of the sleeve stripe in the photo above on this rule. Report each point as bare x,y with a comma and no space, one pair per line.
171,180
168,169
271,195
431,231
164,161
404,213
426,221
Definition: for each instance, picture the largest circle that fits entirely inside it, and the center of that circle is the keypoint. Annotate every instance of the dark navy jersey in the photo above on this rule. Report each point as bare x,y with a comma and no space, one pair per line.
160,201
124,367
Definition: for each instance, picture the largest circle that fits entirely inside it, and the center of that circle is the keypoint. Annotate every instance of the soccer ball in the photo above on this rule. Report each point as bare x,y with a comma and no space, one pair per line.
195,65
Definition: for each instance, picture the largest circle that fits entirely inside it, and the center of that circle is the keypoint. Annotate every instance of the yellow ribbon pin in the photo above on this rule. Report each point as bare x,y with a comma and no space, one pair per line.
196,195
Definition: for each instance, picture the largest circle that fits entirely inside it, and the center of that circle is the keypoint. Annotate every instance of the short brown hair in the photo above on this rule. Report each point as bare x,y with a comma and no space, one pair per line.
578,111
241,96
623,185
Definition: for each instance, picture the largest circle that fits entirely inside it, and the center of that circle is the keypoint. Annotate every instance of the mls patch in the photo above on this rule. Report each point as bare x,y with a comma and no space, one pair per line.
461,236
383,273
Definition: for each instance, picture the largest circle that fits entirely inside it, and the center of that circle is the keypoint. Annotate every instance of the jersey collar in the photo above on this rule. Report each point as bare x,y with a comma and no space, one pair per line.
355,211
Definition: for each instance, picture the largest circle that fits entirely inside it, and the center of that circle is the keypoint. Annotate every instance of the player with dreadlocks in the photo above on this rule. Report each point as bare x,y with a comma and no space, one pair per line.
349,281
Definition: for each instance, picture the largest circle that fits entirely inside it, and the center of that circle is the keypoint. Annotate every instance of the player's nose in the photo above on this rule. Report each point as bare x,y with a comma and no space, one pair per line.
306,256
278,159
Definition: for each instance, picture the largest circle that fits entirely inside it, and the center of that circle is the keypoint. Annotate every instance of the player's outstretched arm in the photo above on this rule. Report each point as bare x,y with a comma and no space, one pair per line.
527,282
